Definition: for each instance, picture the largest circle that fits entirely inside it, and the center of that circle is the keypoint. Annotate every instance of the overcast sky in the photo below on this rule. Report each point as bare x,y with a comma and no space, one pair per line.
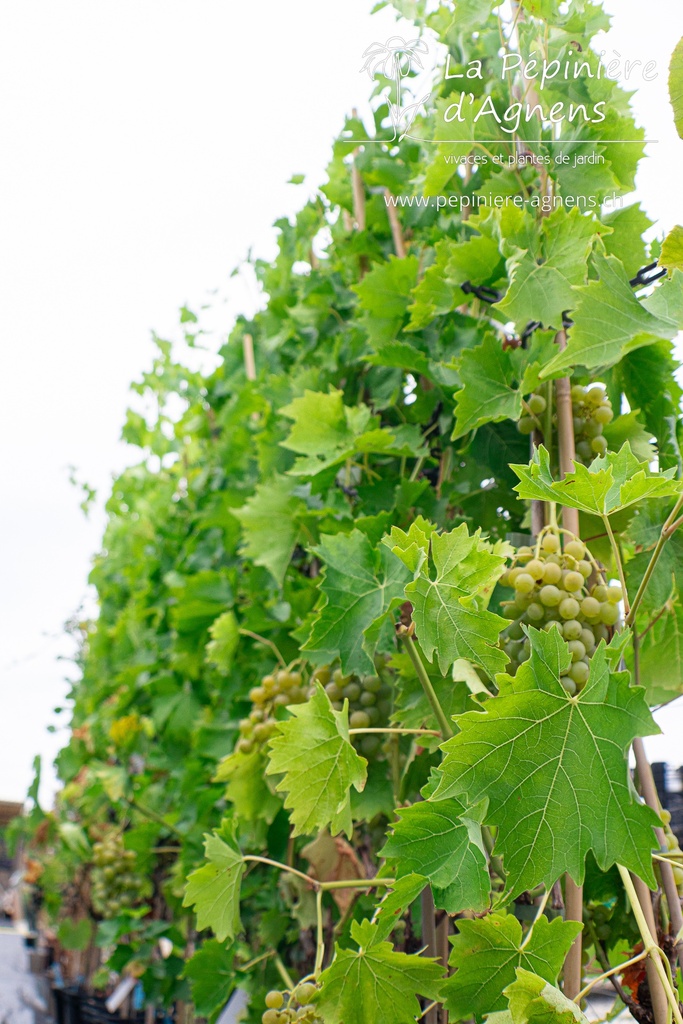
146,147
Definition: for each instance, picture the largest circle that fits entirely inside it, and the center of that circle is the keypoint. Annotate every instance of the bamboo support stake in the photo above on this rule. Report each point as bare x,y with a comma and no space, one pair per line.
358,191
660,1003
649,791
249,361
429,942
443,948
395,225
573,893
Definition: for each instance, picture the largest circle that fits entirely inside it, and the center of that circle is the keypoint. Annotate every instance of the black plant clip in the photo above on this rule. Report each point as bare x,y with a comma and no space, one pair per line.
648,275
489,295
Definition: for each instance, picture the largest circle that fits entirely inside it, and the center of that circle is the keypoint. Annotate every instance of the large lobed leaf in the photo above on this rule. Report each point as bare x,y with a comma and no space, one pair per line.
554,768
214,888
487,953
612,482
319,765
375,983
359,587
441,841
449,608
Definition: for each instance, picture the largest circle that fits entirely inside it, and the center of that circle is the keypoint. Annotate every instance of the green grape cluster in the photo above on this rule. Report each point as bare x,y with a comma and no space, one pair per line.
369,700
591,411
288,1007
116,885
552,592
277,690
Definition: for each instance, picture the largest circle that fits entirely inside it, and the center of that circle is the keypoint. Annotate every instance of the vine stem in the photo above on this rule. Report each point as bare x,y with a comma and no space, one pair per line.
426,683
320,934
539,914
670,526
608,974
283,972
343,883
619,563
396,732
652,950
267,642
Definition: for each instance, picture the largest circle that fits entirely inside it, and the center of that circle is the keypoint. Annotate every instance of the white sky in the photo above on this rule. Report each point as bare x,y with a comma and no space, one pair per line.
146,147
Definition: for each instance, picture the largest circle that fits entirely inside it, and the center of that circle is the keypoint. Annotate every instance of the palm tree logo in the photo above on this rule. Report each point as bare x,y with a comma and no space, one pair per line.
395,59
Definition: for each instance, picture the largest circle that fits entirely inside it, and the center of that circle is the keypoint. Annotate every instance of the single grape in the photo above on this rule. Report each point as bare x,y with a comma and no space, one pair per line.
603,414
579,423
535,612
304,993
599,445
615,594
578,393
359,720
573,581
367,698
372,683
592,430
550,596
609,613
270,1017
584,567
274,1000
579,672
552,573
577,650
587,639
569,685
351,691
596,396
524,583
576,549
572,630
550,543
526,425
535,568
515,631
590,607
569,608
584,451
537,404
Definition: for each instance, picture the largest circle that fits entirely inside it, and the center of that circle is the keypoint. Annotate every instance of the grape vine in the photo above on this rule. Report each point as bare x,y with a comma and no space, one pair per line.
387,603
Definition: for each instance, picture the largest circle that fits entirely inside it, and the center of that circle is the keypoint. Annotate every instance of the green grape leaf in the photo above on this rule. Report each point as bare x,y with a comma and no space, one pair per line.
212,978
326,432
661,657
533,1001
74,934
676,86
221,648
397,900
375,983
671,255
612,482
563,761
246,787
449,610
487,952
384,294
318,765
214,888
542,283
440,840
269,524
360,586
609,321
494,380
628,224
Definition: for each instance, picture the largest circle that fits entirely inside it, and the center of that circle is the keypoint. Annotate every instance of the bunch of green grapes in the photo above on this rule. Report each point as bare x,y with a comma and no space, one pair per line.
115,883
552,592
288,1007
591,411
369,700
277,690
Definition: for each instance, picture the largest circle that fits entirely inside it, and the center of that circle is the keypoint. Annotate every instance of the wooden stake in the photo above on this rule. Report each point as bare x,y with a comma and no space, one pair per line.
249,361
649,791
395,225
573,893
660,1004
429,941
